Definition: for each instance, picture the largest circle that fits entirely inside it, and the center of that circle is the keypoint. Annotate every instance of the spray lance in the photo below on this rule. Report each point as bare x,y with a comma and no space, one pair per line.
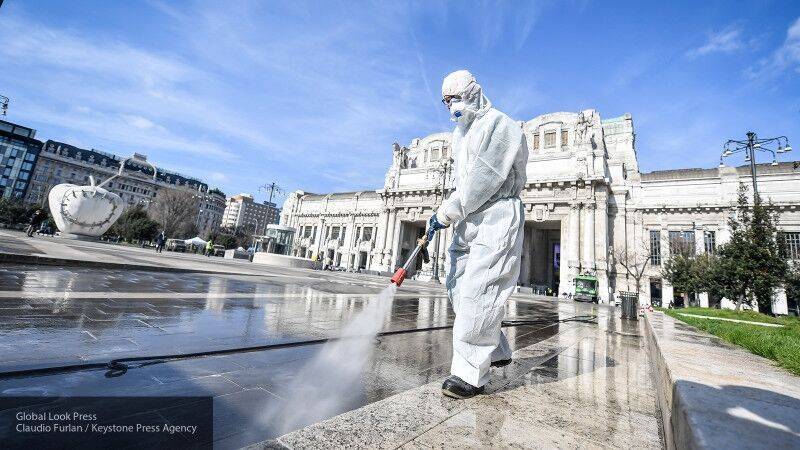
422,246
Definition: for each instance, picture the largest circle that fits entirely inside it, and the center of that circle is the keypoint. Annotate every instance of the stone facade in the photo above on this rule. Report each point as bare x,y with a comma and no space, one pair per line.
585,201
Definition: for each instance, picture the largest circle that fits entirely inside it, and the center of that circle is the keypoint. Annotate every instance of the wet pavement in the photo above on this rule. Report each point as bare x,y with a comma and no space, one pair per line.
588,386
54,316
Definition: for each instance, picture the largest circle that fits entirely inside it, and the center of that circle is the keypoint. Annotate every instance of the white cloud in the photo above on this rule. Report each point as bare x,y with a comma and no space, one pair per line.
139,122
786,57
219,177
728,40
115,80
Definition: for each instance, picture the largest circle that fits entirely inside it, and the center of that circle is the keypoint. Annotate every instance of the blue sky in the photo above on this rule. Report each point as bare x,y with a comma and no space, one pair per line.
312,95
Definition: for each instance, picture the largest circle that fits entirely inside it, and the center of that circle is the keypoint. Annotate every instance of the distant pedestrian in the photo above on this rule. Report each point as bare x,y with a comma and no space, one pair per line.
209,247
160,240
37,217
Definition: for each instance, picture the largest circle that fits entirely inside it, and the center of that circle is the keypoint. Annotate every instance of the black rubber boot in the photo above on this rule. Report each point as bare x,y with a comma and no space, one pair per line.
455,387
501,362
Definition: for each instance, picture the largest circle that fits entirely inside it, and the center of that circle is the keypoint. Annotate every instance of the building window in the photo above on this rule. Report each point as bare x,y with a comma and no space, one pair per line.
681,242
710,242
792,244
367,234
334,232
655,247
536,141
550,139
564,138
435,154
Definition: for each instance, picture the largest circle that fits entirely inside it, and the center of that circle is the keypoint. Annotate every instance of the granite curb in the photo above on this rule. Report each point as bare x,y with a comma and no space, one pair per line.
712,394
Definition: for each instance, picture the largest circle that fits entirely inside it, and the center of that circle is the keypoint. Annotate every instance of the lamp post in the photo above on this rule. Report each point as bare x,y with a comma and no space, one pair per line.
443,170
749,147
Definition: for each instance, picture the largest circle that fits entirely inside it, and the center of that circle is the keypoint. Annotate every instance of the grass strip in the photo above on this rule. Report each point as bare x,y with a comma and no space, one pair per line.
781,345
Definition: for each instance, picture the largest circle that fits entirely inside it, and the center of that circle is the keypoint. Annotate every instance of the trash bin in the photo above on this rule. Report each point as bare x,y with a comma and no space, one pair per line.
630,305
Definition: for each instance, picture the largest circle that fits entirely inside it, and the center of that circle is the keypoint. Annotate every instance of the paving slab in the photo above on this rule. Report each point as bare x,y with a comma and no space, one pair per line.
582,388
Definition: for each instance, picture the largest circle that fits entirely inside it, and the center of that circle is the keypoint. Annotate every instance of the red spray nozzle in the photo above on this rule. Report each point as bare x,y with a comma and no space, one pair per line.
399,276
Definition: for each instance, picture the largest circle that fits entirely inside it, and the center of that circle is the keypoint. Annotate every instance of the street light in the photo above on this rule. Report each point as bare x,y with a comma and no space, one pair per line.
749,146
443,169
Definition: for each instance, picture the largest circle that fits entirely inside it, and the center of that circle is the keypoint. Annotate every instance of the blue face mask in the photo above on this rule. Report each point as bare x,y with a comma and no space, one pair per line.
457,110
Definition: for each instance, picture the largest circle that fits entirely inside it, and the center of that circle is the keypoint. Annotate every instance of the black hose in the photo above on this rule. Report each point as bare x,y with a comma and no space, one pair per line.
118,367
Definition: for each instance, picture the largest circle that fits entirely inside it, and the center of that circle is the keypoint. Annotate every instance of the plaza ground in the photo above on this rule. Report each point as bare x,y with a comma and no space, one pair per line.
572,382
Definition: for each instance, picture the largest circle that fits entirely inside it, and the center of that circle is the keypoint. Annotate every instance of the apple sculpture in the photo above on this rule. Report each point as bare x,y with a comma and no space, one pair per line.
87,211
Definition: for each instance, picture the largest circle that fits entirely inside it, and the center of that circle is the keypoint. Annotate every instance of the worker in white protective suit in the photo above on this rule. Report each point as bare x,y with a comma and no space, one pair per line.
485,209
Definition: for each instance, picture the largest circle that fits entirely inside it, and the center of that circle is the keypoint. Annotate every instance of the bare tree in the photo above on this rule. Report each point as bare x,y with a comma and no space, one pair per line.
174,210
634,260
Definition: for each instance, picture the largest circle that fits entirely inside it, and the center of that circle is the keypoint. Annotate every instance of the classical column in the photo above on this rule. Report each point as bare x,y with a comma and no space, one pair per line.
388,243
395,255
380,236
602,253
664,238
318,237
588,237
699,241
573,252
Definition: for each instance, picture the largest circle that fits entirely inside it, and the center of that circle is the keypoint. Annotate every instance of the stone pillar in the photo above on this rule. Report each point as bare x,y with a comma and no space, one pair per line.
388,243
601,247
380,236
525,269
564,281
699,241
667,293
664,246
779,303
320,234
395,252
356,259
574,254
588,237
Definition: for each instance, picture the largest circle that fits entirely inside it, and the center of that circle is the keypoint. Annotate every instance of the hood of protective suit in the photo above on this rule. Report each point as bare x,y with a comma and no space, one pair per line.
462,83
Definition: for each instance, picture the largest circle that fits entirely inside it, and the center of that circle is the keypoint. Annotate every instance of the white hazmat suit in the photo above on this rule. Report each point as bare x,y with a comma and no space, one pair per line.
487,214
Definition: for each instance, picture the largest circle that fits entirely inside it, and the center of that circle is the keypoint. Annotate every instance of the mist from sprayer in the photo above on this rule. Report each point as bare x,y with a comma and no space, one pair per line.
330,383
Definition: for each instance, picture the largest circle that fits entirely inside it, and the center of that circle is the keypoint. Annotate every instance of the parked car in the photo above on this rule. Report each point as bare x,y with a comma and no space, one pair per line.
176,245
219,250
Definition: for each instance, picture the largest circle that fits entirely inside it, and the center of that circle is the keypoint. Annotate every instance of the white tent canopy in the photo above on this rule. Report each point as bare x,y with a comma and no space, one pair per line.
196,241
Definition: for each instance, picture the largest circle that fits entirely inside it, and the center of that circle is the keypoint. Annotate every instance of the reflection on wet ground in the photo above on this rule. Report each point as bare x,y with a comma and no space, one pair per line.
57,316
588,386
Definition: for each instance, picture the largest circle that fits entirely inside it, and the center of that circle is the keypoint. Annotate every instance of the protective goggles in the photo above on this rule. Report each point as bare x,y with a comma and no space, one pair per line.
448,99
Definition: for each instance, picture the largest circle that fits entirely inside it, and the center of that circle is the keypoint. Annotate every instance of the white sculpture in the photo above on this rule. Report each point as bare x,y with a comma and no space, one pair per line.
87,210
